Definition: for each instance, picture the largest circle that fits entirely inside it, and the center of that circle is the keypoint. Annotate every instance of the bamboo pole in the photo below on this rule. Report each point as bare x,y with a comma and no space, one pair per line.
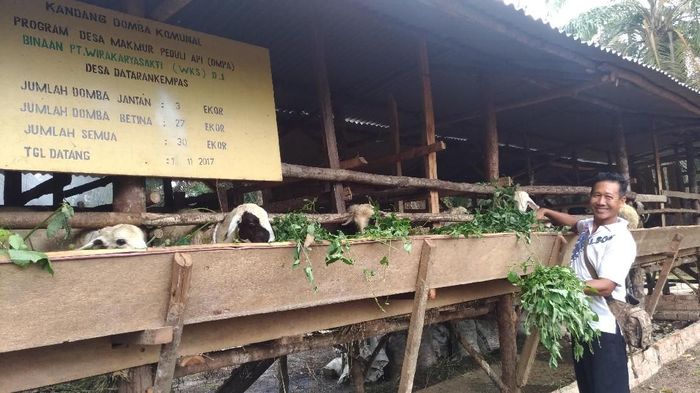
415,328
324,96
429,122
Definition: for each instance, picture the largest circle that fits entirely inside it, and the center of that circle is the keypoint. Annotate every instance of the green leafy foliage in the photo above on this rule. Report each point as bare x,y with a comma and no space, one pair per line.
553,298
496,215
296,227
14,246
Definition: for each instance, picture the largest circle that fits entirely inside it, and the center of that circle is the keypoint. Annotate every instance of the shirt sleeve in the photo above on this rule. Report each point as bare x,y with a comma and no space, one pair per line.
618,259
580,226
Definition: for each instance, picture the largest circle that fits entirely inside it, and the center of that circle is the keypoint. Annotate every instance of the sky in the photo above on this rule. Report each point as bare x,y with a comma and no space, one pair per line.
571,8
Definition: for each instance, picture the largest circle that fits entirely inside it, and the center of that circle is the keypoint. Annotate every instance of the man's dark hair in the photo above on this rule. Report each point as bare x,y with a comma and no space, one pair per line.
612,177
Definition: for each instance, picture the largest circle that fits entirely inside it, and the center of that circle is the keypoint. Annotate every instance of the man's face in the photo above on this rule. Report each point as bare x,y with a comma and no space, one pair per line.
606,201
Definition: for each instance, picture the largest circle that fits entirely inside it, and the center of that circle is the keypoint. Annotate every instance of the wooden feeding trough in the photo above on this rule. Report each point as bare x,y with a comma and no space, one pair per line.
73,325
105,311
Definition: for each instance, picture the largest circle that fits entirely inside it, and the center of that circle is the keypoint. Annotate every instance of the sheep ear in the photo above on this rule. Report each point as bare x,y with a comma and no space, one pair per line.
232,228
89,244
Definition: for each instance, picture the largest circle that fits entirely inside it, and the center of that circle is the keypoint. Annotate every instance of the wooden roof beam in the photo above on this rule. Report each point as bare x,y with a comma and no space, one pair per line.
568,91
167,8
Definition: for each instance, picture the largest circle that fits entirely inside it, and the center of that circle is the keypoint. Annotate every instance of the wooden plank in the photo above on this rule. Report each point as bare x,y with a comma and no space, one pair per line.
341,335
682,195
228,281
324,96
651,198
429,120
415,328
179,291
527,355
408,154
351,163
669,211
156,336
663,275
75,360
394,127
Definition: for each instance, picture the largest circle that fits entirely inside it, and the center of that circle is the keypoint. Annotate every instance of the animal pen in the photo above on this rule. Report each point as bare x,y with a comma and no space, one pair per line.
402,102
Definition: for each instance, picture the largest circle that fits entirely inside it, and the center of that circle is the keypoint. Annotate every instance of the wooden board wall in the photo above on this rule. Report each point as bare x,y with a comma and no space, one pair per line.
101,295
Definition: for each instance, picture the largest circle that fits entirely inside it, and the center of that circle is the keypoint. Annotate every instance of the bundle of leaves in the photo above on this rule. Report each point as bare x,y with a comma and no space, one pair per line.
553,298
298,228
496,215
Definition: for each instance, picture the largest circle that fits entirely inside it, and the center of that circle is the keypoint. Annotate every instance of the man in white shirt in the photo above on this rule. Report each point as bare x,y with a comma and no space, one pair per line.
609,247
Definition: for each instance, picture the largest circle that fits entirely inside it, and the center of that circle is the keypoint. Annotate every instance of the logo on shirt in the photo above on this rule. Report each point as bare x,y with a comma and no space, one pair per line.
600,239
582,239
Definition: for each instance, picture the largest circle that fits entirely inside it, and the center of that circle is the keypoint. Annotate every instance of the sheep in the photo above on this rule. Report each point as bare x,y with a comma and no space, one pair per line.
125,236
248,222
360,216
629,214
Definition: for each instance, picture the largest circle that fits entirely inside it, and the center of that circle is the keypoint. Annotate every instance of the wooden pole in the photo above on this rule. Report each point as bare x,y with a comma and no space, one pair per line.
490,131
692,173
415,328
474,353
621,149
129,196
505,315
429,119
659,174
282,375
244,376
663,274
324,96
396,137
179,290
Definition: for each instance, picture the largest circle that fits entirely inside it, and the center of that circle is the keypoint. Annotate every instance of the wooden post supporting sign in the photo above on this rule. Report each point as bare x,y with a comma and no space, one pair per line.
429,117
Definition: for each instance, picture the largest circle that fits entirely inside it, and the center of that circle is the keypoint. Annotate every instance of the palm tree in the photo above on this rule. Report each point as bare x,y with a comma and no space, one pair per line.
663,33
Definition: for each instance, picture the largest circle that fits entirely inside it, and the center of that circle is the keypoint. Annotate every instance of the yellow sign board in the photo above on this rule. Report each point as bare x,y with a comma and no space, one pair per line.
88,90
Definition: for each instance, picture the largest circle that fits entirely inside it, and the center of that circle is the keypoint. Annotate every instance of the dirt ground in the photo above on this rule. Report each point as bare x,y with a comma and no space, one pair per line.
679,376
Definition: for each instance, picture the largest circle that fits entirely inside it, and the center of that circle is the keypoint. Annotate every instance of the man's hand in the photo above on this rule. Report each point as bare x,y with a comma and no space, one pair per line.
557,218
